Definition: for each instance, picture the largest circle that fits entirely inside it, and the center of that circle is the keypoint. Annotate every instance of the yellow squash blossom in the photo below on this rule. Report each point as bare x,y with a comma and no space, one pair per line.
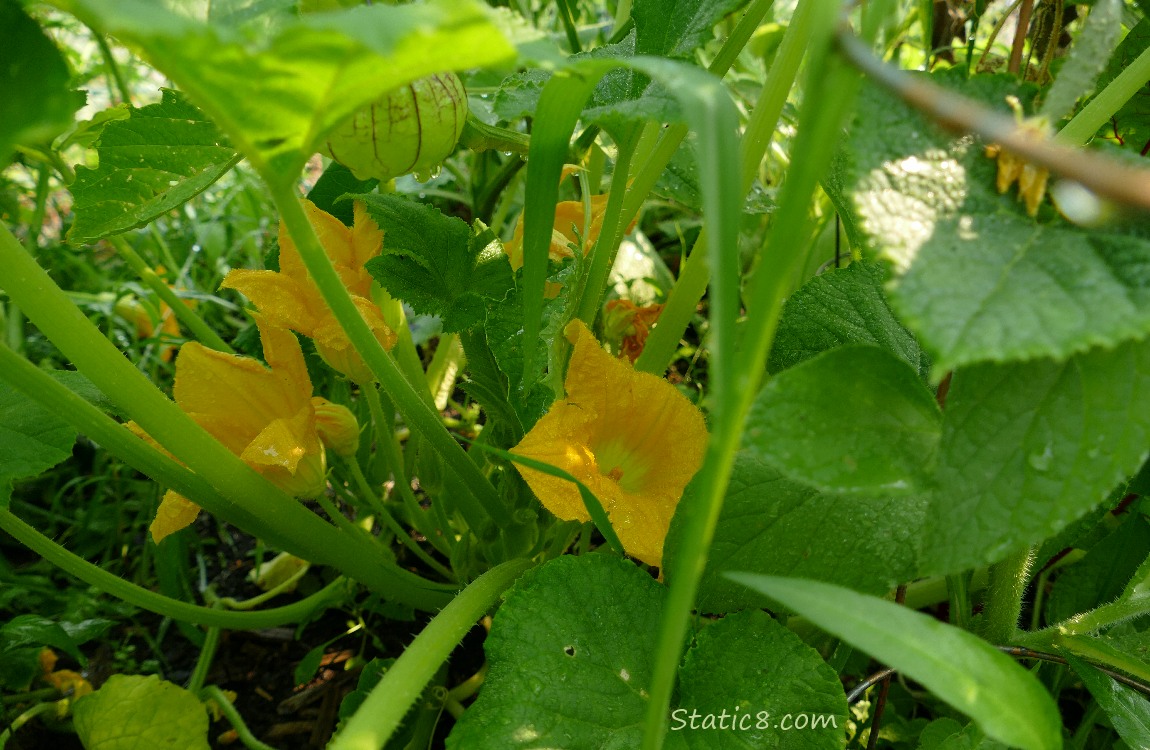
265,416
291,299
629,436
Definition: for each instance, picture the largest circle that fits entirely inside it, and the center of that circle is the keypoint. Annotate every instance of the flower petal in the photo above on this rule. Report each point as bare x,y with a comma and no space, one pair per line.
631,437
175,512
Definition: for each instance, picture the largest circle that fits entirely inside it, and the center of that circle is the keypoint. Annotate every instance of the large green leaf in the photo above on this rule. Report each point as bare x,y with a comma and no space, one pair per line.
1129,711
570,656
277,92
131,712
35,102
975,277
853,419
771,524
1029,447
163,155
436,263
1003,699
845,306
675,28
32,439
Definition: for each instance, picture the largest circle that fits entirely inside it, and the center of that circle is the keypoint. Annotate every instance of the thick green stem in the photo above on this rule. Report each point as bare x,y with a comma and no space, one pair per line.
480,503
194,323
97,577
205,659
1108,101
389,521
695,273
114,72
1003,604
383,709
604,251
214,694
830,93
264,509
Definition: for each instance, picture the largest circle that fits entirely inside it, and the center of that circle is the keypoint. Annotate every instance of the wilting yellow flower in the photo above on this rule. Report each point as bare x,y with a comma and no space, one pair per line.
265,416
291,299
629,436
66,681
629,325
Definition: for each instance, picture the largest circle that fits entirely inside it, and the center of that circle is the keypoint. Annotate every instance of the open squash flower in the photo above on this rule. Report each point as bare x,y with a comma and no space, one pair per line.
291,299
265,416
629,436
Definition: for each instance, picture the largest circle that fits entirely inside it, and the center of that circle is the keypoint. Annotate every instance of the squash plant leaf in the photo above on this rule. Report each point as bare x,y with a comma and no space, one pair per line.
975,277
1029,447
436,263
35,101
131,712
33,439
853,419
158,158
276,93
844,306
671,28
1004,700
570,655
1129,711
774,525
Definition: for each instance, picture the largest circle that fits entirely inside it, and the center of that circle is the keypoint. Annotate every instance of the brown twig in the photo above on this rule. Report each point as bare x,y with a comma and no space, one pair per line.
1103,176
884,688
1020,36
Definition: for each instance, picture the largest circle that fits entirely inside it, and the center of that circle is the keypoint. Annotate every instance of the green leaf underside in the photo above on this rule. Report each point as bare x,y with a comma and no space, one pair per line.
336,182
1029,447
853,419
35,102
1129,711
141,713
1003,699
845,306
33,439
975,277
773,525
277,94
570,665
163,155
435,263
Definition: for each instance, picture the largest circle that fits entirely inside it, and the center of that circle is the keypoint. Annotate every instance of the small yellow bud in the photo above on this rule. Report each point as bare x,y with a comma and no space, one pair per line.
336,426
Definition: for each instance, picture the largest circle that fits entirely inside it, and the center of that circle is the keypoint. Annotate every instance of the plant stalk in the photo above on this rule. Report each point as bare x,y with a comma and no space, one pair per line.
480,503
384,708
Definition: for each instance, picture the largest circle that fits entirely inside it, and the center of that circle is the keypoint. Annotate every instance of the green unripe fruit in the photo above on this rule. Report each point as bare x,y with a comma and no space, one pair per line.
411,129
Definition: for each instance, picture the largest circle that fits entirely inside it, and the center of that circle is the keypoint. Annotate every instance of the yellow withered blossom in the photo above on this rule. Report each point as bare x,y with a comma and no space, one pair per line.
291,299
264,415
631,437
